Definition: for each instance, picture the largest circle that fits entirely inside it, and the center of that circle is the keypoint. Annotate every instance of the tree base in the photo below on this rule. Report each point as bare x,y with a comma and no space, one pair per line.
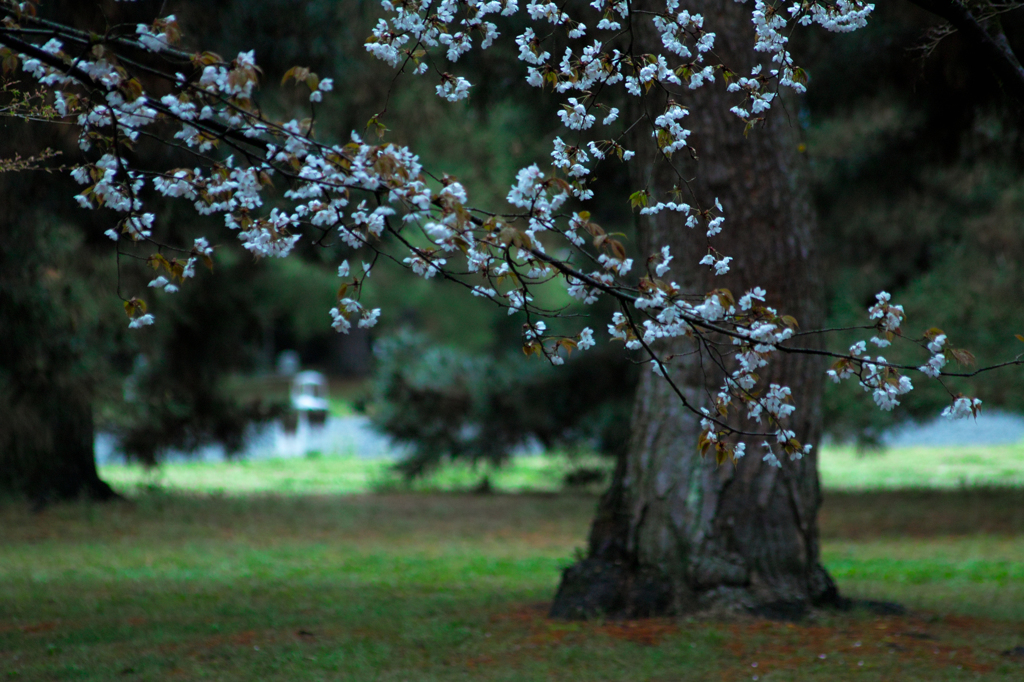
94,490
596,588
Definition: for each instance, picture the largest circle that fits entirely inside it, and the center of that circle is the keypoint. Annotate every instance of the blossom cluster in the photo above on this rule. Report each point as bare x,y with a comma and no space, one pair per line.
377,198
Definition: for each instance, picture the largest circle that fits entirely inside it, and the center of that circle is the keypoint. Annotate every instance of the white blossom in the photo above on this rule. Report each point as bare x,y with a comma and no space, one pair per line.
586,339
962,407
141,321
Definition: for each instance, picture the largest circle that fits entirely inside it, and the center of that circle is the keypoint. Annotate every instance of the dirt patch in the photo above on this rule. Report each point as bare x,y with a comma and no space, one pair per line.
646,631
922,513
922,641
46,626
919,642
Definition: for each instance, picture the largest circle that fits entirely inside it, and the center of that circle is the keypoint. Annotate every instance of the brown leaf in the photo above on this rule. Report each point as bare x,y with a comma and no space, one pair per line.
156,261
617,249
963,357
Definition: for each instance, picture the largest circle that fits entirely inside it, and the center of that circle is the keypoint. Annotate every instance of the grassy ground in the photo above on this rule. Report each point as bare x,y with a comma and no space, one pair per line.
923,467
418,586
841,469
345,475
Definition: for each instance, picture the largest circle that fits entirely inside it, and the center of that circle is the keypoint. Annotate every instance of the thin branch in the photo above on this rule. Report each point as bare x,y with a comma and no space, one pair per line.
994,49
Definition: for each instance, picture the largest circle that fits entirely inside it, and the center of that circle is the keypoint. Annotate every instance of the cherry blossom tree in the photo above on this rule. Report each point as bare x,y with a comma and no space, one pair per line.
716,503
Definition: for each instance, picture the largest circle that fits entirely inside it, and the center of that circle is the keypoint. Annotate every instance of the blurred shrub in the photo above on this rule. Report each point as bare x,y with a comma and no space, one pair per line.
445,403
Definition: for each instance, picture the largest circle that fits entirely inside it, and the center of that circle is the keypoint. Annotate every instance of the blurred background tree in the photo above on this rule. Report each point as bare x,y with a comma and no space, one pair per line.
444,402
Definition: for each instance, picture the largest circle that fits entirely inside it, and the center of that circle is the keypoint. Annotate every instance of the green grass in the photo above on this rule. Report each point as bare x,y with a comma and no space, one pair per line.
338,474
923,467
841,469
317,475
453,587
339,407
275,570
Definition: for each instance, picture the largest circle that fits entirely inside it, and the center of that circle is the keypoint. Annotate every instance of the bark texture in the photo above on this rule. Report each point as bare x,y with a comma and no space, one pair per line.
48,451
46,371
676,533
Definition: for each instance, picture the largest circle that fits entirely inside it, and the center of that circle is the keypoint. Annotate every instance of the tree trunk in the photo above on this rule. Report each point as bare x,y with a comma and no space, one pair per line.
46,445
46,388
676,533
65,468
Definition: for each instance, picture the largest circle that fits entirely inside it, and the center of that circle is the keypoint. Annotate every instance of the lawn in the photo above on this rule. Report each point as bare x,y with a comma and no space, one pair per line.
842,468
344,475
448,586
334,568
923,467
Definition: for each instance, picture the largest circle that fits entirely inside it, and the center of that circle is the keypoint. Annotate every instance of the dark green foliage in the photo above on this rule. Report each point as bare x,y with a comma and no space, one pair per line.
445,403
177,399
917,162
